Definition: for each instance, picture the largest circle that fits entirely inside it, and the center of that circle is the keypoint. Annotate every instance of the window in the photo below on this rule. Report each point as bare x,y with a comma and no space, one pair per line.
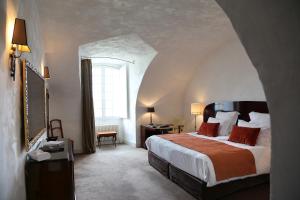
109,91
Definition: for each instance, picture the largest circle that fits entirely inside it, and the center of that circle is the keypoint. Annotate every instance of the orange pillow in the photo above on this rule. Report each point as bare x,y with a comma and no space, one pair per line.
209,129
244,135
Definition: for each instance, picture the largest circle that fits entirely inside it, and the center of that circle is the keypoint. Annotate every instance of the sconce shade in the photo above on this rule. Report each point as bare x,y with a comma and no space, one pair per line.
46,72
197,108
20,36
150,109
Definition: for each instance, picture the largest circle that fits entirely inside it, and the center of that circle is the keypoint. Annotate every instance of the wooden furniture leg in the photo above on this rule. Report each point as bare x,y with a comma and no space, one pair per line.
99,140
115,140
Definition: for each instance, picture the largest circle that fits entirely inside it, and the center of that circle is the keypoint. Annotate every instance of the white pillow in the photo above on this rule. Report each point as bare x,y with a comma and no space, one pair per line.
261,119
228,116
231,117
224,126
264,136
243,123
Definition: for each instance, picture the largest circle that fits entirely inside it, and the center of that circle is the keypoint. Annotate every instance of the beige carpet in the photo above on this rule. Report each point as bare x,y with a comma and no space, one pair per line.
122,174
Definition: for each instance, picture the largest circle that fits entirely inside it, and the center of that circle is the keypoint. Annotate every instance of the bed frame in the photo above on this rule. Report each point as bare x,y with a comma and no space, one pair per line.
257,186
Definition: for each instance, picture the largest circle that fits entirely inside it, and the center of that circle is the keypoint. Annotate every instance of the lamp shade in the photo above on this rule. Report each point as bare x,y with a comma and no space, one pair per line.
19,35
46,72
197,108
150,109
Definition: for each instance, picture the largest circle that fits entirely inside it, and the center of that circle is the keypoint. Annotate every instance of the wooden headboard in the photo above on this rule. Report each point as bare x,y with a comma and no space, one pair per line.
243,107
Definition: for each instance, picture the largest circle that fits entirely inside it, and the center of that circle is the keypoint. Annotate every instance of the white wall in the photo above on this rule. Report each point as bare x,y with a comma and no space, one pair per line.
135,75
227,74
271,39
162,87
12,152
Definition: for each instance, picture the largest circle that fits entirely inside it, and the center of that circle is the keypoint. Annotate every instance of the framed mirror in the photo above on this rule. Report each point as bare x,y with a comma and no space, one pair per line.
34,101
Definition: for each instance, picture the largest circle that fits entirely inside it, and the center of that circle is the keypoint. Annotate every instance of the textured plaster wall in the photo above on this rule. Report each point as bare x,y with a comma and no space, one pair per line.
226,75
12,153
271,39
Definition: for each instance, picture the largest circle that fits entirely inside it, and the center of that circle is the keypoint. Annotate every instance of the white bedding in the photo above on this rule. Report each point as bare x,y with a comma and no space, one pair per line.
200,165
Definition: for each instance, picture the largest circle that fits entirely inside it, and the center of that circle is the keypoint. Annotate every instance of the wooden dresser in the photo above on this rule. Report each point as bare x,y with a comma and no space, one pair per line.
51,179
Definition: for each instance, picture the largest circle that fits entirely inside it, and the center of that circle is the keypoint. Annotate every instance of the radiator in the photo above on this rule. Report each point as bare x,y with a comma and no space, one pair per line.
110,127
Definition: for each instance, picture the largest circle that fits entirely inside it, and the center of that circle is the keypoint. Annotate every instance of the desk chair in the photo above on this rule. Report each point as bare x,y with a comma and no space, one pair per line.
56,128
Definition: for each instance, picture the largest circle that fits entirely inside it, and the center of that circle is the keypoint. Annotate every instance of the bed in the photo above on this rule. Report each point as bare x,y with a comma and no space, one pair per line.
194,171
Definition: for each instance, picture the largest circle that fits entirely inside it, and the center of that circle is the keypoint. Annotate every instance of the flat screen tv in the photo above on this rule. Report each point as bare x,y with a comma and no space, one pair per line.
34,104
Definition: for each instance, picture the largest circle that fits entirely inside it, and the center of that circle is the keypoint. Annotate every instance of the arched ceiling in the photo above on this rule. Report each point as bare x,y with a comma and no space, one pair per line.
127,47
183,33
186,28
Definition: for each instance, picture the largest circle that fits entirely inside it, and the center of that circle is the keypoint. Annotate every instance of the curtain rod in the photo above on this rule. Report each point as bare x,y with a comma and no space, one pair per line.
91,57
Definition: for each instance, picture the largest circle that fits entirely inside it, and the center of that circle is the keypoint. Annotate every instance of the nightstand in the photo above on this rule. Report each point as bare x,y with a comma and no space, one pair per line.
147,131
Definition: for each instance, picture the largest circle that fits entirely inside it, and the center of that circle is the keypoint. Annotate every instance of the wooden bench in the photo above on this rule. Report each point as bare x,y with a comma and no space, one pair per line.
105,134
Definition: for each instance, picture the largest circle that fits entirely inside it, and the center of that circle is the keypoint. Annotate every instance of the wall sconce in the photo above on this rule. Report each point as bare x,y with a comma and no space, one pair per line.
46,72
196,109
19,44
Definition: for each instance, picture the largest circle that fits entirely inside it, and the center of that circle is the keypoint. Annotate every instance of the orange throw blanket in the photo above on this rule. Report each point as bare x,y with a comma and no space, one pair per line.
228,161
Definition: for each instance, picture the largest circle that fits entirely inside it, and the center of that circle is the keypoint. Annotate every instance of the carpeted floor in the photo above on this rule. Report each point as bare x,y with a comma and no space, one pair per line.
122,174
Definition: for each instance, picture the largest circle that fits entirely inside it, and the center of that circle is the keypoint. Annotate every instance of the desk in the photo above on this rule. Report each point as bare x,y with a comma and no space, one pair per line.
147,131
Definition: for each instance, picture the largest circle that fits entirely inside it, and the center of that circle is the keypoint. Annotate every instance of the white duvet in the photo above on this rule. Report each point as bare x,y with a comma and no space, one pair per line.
200,165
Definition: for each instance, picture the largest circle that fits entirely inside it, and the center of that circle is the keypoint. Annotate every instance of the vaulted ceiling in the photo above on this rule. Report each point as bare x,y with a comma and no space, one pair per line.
189,28
184,33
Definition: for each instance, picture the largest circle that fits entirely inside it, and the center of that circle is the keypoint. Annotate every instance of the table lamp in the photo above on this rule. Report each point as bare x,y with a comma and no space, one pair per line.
150,110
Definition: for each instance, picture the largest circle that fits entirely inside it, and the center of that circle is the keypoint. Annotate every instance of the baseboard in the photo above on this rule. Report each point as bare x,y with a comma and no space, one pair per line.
109,142
78,151
133,144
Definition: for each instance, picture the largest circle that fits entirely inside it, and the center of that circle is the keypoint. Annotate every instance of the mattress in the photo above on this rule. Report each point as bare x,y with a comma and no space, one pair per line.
200,165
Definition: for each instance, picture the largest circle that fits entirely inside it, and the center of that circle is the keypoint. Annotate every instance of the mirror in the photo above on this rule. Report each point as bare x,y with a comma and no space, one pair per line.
34,99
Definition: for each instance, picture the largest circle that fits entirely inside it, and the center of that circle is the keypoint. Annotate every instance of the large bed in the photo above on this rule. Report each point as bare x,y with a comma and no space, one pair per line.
194,171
